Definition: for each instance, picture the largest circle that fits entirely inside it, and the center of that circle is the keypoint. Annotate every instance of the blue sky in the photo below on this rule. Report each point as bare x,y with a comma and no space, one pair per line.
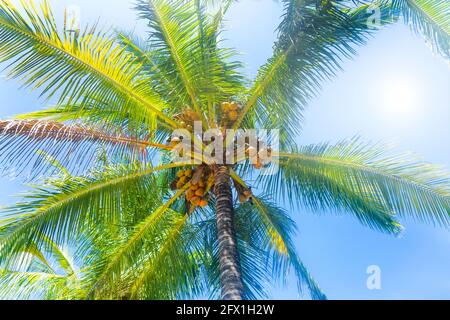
394,90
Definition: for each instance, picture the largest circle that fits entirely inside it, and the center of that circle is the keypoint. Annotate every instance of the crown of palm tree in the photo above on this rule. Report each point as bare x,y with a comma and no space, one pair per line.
170,230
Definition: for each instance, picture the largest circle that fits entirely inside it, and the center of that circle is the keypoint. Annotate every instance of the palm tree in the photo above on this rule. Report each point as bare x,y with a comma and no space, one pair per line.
145,226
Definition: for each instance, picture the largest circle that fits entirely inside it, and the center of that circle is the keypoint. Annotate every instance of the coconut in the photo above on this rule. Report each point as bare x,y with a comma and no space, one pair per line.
180,174
226,107
258,165
180,184
233,115
190,194
195,201
175,141
183,180
200,192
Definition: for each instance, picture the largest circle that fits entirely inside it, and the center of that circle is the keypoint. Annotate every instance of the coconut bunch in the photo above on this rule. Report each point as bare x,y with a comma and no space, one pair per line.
261,154
200,181
230,112
187,119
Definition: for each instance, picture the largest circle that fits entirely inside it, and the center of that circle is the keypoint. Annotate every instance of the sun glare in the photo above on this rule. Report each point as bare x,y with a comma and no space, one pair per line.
400,98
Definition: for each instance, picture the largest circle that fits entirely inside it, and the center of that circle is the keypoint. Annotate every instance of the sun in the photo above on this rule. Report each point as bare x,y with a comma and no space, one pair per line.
400,98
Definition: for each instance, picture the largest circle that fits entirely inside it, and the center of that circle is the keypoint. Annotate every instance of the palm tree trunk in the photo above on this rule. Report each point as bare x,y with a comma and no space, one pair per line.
230,268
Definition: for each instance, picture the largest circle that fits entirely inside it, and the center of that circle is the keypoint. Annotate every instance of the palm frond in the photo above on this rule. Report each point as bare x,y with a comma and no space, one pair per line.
125,253
173,25
93,114
171,270
365,179
272,232
221,80
75,146
163,79
40,280
184,39
57,253
81,67
313,40
62,209
266,249
316,191
28,285
429,18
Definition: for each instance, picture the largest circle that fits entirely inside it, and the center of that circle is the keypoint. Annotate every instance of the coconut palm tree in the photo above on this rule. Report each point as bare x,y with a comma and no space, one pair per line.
151,226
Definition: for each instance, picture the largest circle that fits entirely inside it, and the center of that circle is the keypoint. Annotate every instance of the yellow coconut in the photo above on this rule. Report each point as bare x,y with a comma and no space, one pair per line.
226,107
190,194
180,184
175,141
180,173
233,115
195,201
258,165
184,180
200,192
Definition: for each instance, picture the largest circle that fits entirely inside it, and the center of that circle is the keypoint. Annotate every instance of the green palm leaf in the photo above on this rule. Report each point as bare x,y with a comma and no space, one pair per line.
171,271
430,18
28,285
183,38
65,208
173,26
274,231
78,68
361,177
312,43
277,231
125,254
40,279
